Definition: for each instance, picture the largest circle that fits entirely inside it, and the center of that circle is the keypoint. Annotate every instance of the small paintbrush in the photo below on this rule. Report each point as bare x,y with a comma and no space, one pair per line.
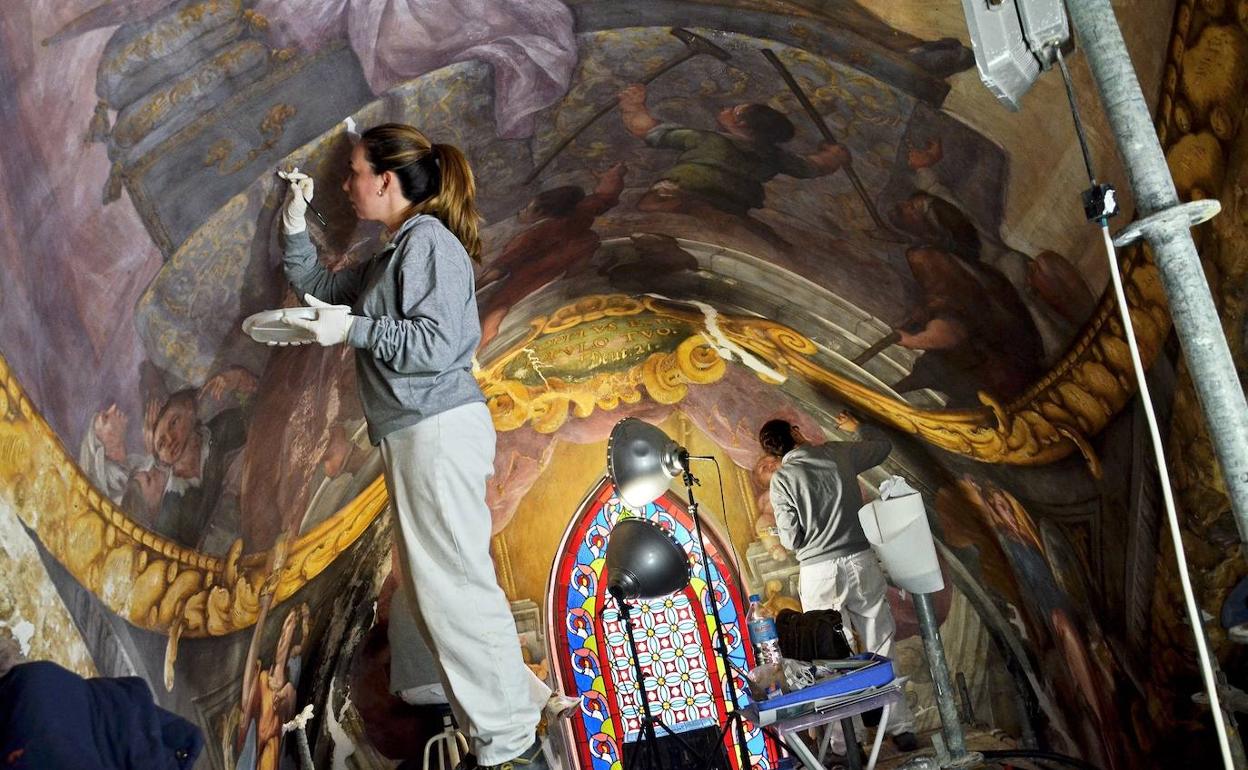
319,216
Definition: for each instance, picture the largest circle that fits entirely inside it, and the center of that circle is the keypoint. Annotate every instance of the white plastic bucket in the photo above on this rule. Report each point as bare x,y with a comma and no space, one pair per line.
898,531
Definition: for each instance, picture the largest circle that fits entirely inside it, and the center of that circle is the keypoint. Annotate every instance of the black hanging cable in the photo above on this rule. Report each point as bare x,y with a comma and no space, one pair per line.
723,511
1100,201
1074,112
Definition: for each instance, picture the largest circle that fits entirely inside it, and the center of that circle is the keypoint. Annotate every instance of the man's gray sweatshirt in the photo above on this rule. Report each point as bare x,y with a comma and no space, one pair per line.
816,497
416,324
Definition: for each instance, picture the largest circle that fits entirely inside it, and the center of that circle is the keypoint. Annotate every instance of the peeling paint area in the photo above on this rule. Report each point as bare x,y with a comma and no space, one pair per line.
344,747
726,348
31,610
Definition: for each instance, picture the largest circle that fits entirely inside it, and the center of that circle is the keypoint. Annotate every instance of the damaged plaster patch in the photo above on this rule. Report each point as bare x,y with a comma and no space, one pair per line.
343,745
31,609
726,348
23,631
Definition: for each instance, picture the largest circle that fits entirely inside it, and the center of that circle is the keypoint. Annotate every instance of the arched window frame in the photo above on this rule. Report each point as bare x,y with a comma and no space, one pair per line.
587,536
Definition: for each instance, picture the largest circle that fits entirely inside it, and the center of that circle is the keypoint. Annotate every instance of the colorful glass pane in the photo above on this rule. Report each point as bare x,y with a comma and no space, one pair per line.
685,682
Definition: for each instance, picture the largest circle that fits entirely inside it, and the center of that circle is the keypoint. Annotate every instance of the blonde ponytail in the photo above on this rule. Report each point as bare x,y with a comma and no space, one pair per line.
456,202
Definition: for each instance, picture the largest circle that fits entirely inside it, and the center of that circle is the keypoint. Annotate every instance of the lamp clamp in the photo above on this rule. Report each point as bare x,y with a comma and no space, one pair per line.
1100,202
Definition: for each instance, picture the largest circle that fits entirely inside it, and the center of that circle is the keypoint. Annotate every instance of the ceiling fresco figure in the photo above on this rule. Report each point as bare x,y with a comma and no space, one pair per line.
724,171
559,239
973,329
269,697
931,217
1050,611
185,483
201,493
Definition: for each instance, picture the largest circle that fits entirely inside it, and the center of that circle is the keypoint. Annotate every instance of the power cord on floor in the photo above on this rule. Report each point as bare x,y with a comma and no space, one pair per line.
1043,756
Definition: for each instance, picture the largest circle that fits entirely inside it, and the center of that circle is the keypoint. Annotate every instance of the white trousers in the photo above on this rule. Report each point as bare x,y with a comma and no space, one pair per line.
436,471
855,587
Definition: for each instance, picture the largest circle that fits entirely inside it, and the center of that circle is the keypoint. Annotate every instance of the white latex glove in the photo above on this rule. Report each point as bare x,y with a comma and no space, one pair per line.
297,197
331,325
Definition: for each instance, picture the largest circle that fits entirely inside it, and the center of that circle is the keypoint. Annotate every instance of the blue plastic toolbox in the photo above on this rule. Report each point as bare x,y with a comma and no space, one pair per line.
879,672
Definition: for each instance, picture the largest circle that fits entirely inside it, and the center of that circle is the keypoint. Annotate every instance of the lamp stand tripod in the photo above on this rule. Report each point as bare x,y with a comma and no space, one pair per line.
735,717
647,744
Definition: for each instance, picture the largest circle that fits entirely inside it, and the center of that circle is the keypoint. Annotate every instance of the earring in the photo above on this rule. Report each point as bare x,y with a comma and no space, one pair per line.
381,192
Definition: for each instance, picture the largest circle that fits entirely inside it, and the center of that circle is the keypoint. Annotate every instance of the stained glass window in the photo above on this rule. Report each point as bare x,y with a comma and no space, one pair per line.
685,677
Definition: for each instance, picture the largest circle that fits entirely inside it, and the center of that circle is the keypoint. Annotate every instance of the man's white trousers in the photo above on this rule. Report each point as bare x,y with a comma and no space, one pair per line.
855,587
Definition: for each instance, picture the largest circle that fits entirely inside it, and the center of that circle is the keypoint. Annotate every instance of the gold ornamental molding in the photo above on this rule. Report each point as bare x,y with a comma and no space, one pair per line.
595,353
605,350
147,579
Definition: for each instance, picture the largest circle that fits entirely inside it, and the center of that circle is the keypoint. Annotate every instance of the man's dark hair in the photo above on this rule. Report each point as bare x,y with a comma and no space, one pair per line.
558,201
776,437
766,123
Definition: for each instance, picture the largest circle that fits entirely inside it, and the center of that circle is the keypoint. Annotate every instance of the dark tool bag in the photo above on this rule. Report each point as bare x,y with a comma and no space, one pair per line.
813,635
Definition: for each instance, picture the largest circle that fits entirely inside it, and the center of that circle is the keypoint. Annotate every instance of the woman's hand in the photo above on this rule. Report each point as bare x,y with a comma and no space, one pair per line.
331,325
298,194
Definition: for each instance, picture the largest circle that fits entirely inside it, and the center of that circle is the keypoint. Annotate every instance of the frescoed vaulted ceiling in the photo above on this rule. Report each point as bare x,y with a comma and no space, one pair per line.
701,213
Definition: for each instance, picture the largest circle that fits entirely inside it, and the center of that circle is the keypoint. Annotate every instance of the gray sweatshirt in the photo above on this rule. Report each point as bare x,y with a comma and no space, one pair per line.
416,326
816,497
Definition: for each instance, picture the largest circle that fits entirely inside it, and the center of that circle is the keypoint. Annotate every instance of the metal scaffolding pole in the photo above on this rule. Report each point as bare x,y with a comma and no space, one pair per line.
951,751
1166,225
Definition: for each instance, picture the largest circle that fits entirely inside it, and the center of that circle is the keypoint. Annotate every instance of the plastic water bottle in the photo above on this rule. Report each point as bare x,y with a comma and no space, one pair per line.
763,633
